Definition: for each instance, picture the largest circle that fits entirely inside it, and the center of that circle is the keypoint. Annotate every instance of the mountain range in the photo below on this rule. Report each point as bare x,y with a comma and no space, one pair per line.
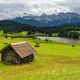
49,20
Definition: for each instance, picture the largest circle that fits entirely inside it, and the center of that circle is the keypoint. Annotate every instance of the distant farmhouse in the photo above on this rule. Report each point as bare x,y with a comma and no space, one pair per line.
17,53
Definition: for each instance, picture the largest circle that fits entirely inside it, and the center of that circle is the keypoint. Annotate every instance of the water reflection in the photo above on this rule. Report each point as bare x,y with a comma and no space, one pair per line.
59,39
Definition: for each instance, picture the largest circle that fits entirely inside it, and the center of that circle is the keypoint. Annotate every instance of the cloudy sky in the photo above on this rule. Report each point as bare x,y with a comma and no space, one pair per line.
15,8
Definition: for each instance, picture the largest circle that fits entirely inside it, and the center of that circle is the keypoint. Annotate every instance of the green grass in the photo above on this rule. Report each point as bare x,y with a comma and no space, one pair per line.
53,61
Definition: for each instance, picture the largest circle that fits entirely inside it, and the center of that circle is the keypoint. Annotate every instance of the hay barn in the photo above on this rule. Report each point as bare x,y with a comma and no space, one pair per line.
17,53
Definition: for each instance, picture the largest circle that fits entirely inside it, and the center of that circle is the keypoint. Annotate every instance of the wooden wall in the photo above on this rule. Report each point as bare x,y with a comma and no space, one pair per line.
10,56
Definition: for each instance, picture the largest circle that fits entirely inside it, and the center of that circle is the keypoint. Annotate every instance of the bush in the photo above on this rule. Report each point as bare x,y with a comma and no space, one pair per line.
47,40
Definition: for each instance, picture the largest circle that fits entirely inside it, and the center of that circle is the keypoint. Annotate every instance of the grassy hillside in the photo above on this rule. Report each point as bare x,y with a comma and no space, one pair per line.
53,61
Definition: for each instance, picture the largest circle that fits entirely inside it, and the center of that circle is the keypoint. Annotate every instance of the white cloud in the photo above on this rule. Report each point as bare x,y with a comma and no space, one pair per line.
14,8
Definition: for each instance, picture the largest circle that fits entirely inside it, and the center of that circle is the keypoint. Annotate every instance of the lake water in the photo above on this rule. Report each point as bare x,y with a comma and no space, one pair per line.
58,39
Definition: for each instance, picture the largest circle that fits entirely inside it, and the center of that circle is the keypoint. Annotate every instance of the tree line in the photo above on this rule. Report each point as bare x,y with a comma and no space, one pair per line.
67,30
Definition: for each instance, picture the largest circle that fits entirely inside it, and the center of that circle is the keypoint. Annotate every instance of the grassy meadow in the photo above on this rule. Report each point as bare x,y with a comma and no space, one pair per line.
53,61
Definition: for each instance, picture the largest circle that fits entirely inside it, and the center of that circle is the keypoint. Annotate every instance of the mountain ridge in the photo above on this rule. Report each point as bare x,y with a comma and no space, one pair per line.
49,20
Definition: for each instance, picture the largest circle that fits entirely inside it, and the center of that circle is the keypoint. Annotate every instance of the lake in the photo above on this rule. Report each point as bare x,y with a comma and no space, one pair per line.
59,39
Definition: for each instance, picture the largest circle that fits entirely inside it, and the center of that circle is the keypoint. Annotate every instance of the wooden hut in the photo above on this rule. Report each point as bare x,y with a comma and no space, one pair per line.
17,53
37,44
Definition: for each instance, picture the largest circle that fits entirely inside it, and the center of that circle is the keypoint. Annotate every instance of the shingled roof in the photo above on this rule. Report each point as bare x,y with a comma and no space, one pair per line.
23,49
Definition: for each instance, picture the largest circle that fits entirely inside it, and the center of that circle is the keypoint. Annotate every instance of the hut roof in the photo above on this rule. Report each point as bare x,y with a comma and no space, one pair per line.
23,49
